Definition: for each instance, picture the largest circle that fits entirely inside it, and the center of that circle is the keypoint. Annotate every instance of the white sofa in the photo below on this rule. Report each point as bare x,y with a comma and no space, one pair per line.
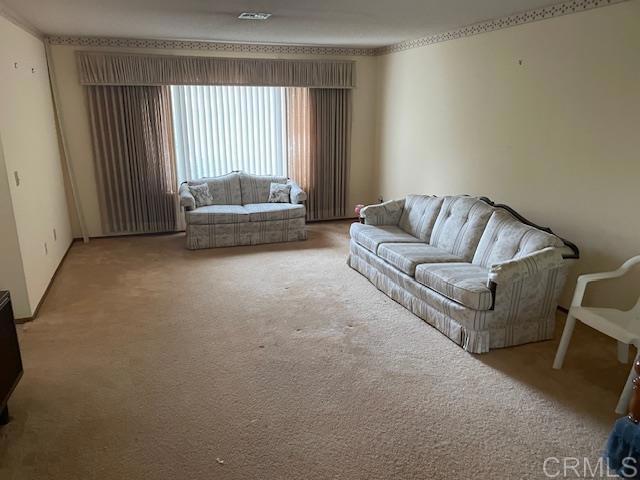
478,272
240,213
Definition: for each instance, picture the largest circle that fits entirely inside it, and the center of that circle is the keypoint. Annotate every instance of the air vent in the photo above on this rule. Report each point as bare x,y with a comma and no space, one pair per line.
254,16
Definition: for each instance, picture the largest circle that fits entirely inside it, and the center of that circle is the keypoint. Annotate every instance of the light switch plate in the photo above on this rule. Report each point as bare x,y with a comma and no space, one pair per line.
17,177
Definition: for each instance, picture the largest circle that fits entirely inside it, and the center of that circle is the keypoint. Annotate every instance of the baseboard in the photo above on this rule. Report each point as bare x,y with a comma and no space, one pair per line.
337,219
46,291
133,234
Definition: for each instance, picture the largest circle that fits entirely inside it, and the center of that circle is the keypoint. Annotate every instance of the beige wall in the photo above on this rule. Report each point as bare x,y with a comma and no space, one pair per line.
29,147
76,121
11,272
557,138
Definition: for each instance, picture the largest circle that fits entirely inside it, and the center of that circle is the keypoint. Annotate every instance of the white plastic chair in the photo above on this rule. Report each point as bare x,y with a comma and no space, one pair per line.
624,326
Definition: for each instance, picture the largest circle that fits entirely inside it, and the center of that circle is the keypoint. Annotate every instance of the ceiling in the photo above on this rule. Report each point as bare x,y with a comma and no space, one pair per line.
357,23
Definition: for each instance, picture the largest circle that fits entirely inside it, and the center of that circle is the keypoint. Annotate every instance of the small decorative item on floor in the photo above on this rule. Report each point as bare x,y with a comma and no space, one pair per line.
623,447
357,212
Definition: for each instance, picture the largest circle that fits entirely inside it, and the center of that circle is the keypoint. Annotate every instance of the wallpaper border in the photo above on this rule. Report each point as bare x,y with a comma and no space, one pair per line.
94,42
543,13
530,16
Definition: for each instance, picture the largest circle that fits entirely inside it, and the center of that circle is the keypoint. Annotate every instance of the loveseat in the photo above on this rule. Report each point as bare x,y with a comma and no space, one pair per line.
238,212
478,272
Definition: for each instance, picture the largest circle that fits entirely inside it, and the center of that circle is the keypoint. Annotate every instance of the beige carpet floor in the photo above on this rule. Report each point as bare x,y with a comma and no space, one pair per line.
149,361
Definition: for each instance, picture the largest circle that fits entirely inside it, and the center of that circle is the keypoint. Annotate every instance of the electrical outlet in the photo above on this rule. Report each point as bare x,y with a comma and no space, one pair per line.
17,177
55,235
46,249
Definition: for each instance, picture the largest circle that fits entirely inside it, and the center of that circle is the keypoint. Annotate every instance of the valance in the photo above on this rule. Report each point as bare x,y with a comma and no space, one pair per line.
115,68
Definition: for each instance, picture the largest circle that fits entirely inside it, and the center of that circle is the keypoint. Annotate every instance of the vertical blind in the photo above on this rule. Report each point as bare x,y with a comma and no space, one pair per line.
218,129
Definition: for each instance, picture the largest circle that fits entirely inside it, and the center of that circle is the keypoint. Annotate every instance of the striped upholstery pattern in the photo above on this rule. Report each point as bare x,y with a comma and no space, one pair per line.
186,199
246,233
386,213
225,190
506,238
419,215
228,222
297,195
370,236
484,279
464,283
214,214
460,225
514,270
259,212
524,311
407,256
255,188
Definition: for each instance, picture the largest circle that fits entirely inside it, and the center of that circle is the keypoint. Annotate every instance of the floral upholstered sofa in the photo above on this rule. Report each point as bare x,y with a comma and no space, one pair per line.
478,272
238,212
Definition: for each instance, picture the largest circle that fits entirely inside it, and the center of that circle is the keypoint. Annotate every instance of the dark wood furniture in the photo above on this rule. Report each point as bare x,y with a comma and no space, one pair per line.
10,359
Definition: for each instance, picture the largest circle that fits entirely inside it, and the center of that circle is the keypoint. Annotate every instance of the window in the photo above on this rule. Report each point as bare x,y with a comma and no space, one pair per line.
218,129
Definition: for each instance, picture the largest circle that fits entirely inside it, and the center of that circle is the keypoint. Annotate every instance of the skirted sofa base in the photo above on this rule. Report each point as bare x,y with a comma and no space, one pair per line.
245,233
238,212
524,313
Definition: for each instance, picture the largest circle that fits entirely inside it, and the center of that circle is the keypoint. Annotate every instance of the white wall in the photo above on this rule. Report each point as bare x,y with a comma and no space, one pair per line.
557,138
30,147
76,121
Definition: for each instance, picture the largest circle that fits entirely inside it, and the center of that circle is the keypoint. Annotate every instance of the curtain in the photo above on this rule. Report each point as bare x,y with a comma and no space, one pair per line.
319,148
133,150
115,68
221,129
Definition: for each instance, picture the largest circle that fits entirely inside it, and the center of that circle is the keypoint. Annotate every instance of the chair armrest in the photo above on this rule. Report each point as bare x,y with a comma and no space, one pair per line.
296,194
386,213
584,280
186,199
523,267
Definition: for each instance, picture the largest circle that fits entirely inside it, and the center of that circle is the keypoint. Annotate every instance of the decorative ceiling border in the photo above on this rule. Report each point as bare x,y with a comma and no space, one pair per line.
211,46
558,10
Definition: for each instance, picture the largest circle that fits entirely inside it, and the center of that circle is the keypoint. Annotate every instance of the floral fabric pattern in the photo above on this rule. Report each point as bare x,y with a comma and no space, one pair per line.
201,194
279,193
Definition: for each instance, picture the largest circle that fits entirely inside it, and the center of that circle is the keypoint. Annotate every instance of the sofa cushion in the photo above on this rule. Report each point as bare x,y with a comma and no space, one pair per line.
279,193
224,190
419,215
255,188
371,236
259,212
464,283
217,214
201,194
460,224
406,256
507,238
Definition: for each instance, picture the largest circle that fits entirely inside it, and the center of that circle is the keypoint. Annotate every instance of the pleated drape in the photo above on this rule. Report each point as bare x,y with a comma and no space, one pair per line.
134,157
116,68
319,148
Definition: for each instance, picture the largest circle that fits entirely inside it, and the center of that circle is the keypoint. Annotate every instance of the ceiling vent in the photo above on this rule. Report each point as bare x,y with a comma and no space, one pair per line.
254,16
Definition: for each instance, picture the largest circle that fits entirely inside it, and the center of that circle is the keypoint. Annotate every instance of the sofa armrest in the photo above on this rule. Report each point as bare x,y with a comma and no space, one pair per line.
186,199
523,267
297,194
386,213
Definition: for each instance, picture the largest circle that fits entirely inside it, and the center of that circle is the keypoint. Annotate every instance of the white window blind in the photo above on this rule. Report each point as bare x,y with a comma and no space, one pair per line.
218,129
